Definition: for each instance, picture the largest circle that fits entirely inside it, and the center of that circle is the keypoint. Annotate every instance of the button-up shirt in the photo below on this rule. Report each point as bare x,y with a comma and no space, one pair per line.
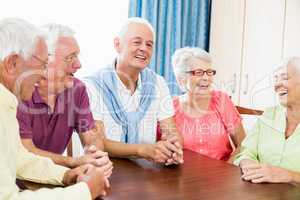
268,144
17,162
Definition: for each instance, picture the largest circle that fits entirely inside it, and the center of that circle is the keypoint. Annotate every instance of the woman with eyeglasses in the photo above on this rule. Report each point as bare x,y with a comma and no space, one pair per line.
207,118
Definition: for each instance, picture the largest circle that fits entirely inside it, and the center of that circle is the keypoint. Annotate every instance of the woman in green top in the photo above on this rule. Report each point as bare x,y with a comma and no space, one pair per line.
271,152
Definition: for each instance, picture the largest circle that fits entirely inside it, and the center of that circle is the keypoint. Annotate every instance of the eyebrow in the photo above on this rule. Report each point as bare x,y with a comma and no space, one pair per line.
140,38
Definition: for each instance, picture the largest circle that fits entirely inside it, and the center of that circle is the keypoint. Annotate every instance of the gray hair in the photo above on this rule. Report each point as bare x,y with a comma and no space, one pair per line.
295,61
135,20
54,32
182,57
18,36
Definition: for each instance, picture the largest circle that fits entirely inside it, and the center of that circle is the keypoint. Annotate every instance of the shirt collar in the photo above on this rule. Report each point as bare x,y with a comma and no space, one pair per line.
36,97
275,119
60,102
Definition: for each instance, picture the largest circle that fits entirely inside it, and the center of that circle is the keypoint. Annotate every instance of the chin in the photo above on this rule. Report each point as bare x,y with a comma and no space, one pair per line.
283,102
140,65
69,84
26,95
202,92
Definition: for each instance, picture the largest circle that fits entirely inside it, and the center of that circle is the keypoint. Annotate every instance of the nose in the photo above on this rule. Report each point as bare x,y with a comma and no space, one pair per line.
76,64
143,46
205,76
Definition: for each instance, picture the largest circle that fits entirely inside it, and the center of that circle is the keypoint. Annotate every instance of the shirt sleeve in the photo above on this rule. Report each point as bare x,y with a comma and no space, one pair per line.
230,116
96,101
78,191
25,121
84,118
249,147
166,107
31,167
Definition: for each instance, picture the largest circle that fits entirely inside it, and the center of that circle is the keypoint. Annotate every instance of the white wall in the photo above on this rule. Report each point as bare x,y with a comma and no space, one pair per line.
94,21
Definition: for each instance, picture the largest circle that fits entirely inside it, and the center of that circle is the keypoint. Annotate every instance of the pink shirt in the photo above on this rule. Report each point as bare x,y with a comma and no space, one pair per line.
209,134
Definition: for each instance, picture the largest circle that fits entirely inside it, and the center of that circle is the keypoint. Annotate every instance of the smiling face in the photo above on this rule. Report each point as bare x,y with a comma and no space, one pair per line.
135,47
197,82
287,85
65,63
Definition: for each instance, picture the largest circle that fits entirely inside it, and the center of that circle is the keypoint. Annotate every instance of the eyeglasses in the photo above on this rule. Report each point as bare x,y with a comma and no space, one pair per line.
71,58
200,72
43,62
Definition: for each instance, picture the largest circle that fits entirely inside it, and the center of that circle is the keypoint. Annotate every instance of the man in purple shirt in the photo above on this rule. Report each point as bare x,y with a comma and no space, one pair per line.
59,106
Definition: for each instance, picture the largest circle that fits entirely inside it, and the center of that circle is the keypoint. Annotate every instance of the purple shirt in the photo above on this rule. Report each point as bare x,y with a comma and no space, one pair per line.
51,131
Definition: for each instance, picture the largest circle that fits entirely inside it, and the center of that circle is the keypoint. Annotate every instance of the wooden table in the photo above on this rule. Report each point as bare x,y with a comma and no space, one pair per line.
199,178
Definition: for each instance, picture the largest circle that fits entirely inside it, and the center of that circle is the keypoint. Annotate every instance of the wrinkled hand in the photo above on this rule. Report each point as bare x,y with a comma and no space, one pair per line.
99,159
262,173
177,156
159,152
245,162
96,181
70,177
174,145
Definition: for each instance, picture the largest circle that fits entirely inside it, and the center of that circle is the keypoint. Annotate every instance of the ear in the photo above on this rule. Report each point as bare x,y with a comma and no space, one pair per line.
117,44
182,81
11,64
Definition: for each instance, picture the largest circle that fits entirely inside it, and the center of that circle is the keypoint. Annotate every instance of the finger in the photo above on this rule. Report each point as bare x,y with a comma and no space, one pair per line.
173,148
160,157
102,161
177,158
90,149
106,182
251,166
99,153
108,172
103,194
84,168
106,168
174,139
259,180
89,169
252,177
83,178
169,162
250,172
162,147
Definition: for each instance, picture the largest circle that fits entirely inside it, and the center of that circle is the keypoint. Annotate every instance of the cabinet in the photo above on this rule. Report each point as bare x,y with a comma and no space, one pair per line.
249,38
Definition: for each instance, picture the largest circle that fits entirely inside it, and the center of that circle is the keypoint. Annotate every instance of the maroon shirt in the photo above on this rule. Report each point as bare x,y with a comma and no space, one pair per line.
51,131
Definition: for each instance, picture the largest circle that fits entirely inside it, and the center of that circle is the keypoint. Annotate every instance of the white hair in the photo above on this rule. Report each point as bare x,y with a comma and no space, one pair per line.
18,36
54,32
182,57
135,20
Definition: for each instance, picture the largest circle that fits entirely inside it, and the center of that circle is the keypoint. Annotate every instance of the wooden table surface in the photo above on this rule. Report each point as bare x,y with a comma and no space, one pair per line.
198,178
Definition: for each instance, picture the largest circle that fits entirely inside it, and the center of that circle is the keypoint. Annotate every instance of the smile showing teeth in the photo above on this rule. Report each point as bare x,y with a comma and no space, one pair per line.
282,93
141,57
203,86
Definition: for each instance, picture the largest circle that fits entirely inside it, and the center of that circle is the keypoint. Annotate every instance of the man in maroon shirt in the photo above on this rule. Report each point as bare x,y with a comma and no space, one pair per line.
59,106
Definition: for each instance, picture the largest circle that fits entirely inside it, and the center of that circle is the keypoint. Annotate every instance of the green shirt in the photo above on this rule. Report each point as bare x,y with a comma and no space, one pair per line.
266,143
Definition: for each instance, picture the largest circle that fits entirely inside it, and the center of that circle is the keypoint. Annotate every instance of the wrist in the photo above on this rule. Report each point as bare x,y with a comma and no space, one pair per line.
72,162
139,150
